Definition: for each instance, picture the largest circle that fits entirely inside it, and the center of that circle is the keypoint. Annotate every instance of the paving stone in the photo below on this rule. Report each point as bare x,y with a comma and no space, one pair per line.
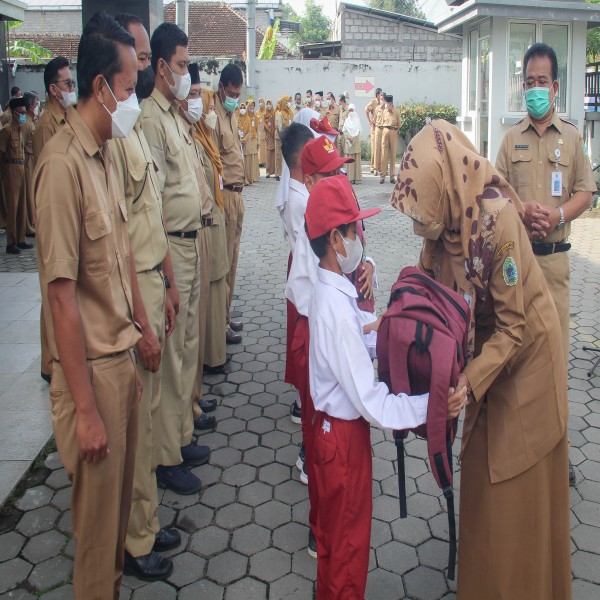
270,564
291,491
586,566
44,546
227,567
218,495
187,568
291,587
230,426
34,498
209,541
259,456
12,573
386,508
380,533
290,537
261,425
584,590
50,573
274,473
234,515
177,501
412,530
247,588
225,457
208,474
239,475
422,505
53,461
588,512
62,499
10,545
65,523
37,521
425,584
396,557
433,553
195,517
587,538
590,469
246,413
304,565
158,590
58,479
18,594
272,514
255,493
251,539
383,584
65,592
276,411
263,399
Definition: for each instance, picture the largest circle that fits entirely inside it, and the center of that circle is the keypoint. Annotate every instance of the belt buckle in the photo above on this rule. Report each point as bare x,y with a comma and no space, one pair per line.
553,248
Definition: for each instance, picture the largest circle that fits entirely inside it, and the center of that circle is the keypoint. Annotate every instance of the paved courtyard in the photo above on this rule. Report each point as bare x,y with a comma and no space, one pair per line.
244,535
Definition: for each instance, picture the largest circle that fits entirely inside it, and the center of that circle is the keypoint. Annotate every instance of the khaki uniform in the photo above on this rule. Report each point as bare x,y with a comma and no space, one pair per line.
172,148
6,117
149,244
378,137
250,149
47,125
279,127
527,161
12,152
29,169
82,236
369,110
390,122
334,115
340,138
269,141
232,159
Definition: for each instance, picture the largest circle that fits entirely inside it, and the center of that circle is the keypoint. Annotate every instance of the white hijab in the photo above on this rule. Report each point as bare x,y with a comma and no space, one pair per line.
352,123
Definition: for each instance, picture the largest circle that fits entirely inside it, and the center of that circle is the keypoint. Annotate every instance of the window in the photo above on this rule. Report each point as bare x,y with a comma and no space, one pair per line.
473,70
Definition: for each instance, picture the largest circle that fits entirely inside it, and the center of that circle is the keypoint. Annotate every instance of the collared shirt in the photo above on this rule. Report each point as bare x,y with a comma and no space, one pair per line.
293,211
333,116
370,108
48,124
391,118
230,147
527,161
342,378
12,141
170,144
137,173
81,232
379,115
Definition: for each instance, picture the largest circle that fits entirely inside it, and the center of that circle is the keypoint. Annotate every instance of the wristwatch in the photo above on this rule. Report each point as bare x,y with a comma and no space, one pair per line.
167,282
561,223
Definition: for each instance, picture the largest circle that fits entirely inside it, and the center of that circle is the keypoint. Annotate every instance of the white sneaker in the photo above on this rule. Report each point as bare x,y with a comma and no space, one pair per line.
295,415
304,475
300,459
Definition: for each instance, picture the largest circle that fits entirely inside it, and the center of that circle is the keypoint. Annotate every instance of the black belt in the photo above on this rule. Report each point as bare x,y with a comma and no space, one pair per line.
233,188
390,127
13,161
185,235
158,267
546,249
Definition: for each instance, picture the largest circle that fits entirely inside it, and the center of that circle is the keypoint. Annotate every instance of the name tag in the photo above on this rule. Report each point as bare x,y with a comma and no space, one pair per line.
521,146
556,184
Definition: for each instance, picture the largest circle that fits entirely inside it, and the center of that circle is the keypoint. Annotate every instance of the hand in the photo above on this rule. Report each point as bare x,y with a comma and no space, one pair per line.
149,350
374,326
169,316
457,397
536,218
367,277
91,437
173,294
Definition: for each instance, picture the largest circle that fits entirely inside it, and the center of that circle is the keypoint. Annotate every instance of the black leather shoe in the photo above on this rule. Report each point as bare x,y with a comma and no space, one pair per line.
237,326
231,337
208,405
166,539
204,422
12,249
572,477
194,456
151,567
382,181
392,181
218,370
177,479
24,246
47,378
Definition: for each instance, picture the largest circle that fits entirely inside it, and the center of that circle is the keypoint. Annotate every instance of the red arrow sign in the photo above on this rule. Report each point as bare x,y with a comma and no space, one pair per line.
367,86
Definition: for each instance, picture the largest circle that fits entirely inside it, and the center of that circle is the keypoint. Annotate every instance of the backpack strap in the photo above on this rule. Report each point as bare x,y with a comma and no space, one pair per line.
399,440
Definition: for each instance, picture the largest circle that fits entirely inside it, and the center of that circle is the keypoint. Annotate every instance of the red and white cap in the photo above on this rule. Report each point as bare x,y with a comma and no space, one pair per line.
321,156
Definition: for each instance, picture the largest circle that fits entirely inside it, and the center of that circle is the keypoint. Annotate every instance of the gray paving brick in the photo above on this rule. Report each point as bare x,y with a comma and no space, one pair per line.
35,497
10,545
270,564
383,584
586,566
246,588
234,515
50,573
218,495
209,541
255,493
58,479
291,587
272,514
195,517
44,546
187,568
65,592
12,573
227,567
225,457
158,590
251,539
396,557
425,584
37,521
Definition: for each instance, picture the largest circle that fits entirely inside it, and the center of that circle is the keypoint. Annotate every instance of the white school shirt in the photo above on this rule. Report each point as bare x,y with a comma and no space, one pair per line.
293,211
342,378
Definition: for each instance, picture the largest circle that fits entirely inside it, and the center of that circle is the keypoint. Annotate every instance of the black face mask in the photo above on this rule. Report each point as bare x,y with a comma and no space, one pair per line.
145,83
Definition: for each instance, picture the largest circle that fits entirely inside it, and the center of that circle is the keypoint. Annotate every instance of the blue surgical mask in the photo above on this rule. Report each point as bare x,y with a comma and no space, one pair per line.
229,104
537,100
22,119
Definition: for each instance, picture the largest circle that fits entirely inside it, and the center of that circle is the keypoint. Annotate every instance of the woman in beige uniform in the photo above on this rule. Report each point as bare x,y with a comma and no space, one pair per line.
269,129
283,117
262,151
250,144
514,497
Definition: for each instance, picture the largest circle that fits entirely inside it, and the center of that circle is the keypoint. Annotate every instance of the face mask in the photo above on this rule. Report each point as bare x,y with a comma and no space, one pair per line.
289,104
298,104
22,119
382,103
211,119
327,103
538,101
354,252
36,111
182,85
68,99
269,107
308,99
242,111
261,104
145,83
194,111
433,231
229,104
317,104
125,116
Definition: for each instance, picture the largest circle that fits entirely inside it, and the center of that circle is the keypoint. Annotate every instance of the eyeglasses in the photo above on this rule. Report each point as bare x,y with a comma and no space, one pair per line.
71,83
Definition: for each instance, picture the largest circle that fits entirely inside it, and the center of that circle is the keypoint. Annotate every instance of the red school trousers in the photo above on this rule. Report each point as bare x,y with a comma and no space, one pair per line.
292,317
343,472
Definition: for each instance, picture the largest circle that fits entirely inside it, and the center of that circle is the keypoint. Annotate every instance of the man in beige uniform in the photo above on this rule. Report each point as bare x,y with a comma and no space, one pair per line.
542,157
390,123
232,158
60,94
170,144
84,275
370,114
378,120
333,113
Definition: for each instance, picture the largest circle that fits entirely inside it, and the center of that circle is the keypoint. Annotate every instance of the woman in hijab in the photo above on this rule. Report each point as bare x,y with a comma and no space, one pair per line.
283,117
352,130
269,134
262,151
514,496
249,127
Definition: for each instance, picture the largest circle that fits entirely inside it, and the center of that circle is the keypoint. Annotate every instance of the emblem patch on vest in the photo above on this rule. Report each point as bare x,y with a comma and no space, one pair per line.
510,272
504,249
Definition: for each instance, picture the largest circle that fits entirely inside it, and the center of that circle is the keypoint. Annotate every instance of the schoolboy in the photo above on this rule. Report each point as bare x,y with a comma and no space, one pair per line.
345,394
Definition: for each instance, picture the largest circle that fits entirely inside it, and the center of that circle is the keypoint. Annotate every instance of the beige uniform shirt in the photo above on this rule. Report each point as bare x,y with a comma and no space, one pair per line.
81,235
370,109
379,115
170,144
12,142
230,147
527,161
47,125
6,117
391,118
333,116
137,173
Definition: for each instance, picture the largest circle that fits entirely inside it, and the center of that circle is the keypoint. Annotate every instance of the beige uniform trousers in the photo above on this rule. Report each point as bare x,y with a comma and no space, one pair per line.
13,189
234,220
180,355
143,520
270,162
377,148
278,156
29,203
215,352
389,147
556,272
205,245
101,493
372,137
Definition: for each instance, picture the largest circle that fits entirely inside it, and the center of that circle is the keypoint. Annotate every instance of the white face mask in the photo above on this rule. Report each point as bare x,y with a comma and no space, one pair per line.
327,103
261,104
68,99
194,111
354,252
242,111
182,85
317,104
211,119
36,110
382,102
289,104
125,116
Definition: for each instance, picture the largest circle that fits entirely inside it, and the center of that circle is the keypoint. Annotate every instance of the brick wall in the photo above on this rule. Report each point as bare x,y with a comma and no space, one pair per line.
40,22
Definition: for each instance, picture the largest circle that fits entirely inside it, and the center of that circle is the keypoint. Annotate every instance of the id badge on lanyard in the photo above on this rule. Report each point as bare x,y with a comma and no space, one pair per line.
556,181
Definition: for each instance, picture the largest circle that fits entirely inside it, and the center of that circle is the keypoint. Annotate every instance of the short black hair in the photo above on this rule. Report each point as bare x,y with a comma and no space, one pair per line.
540,49
52,69
126,19
164,42
29,99
342,98
16,103
98,52
298,94
309,92
293,139
231,75
331,94
319,245
14,90
377,91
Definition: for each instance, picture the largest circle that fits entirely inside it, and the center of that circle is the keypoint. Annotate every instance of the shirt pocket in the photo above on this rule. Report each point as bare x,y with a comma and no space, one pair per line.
227,137
139,174
98,254
522,161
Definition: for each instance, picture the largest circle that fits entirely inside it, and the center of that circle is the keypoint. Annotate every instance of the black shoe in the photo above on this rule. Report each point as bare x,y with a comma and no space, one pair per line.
207,405
47,378
30,234
195,456
151,567
312,544
231,337
237,326
12,249
204,422
382,180
178,479
24,246
219,369
166,539
392,181
296,415
277,178
572,477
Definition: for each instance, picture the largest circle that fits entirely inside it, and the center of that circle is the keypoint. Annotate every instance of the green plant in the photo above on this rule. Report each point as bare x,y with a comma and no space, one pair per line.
365,150
414,115
409,8
27,50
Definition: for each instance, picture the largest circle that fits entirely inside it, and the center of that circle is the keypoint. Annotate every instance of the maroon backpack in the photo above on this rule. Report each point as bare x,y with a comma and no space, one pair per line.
421,347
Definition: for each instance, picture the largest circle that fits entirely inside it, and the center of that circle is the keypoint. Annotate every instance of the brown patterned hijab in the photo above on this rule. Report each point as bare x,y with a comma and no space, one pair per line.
453,195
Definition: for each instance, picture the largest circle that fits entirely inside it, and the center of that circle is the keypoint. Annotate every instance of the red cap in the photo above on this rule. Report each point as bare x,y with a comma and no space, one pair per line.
332,203
323,126
321,156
